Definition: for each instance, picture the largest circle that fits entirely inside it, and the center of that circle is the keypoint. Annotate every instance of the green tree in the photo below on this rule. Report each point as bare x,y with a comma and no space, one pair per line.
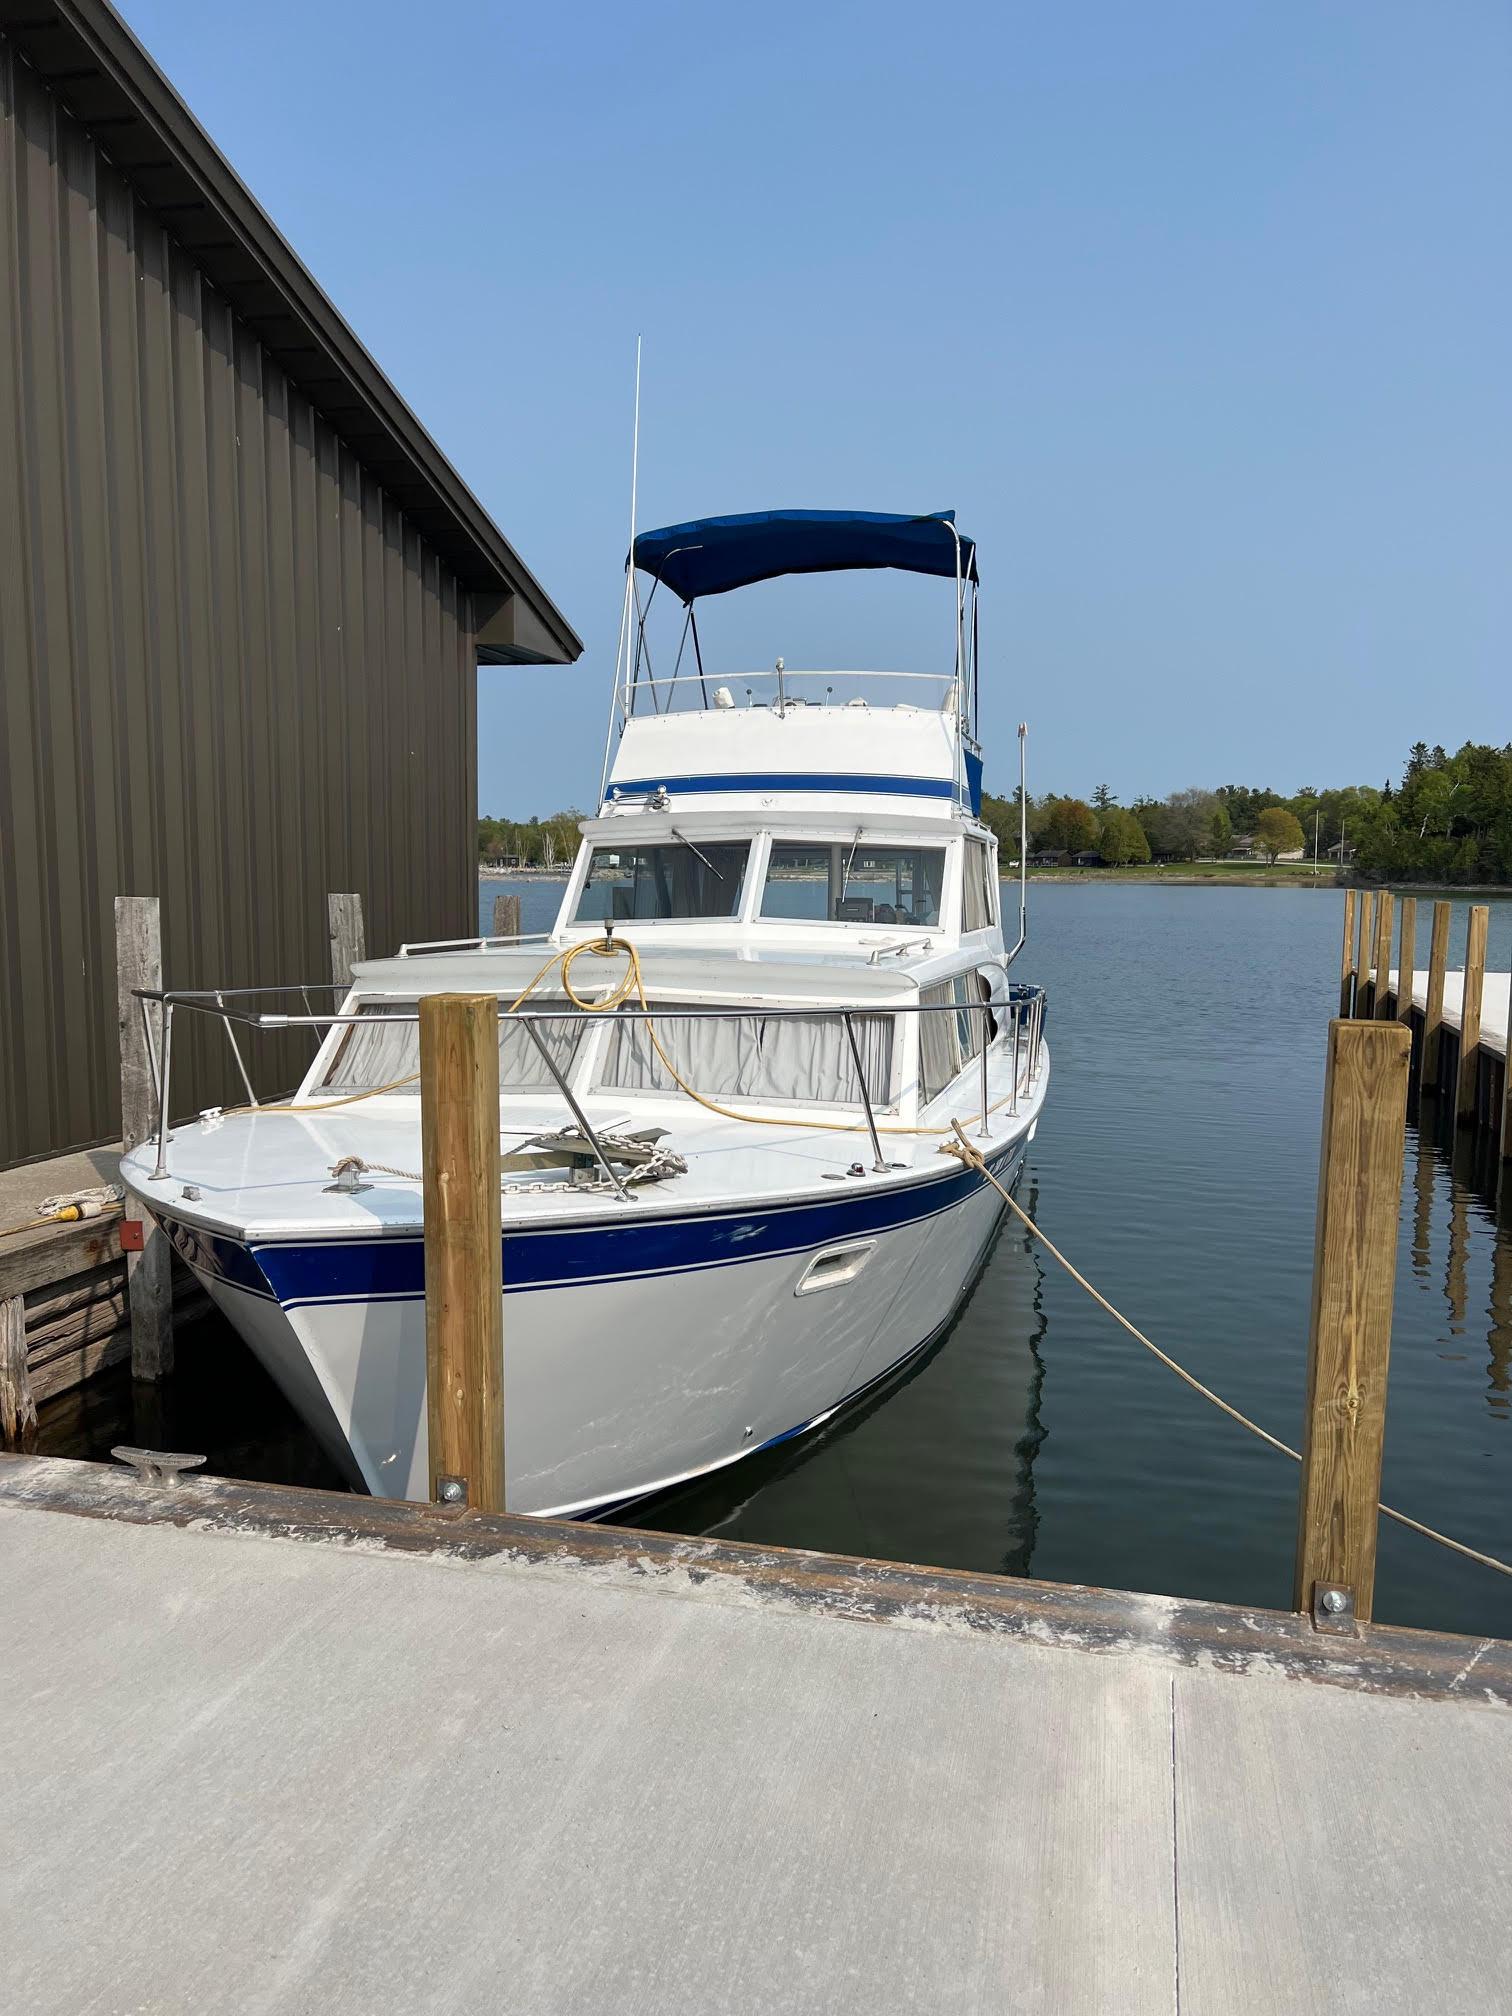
1121,839
1102,798
1277,832
1068,825
1220,833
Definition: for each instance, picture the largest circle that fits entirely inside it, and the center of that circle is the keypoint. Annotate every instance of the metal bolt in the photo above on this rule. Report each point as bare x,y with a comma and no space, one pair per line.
451,1490
1333,1601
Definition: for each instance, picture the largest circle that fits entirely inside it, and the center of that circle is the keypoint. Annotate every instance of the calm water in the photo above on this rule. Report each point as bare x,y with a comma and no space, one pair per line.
1176,1165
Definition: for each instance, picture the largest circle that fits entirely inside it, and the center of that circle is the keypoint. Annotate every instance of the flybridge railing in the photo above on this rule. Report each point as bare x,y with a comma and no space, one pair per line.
1024,1010
775,681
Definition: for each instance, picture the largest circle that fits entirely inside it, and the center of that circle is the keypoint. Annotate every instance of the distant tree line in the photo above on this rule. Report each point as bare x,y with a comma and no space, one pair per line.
1449,820
530,843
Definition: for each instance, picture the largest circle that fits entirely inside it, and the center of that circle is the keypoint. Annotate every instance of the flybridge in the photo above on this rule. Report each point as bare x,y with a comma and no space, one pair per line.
803,757
808,739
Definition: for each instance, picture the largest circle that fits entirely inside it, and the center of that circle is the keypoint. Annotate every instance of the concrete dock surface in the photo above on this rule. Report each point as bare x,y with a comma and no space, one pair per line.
290,1752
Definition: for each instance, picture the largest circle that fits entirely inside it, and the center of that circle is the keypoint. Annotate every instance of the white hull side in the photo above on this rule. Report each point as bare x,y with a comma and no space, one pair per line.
614,1389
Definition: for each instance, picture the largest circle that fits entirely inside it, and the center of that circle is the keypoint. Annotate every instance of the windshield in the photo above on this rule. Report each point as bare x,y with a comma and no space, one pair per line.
854,882
678,878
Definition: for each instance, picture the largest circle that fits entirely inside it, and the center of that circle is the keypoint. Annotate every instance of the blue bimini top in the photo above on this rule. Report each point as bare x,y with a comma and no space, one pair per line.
709,556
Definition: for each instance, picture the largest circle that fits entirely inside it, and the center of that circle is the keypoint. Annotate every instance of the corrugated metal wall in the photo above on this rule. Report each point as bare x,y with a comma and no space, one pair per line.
231,675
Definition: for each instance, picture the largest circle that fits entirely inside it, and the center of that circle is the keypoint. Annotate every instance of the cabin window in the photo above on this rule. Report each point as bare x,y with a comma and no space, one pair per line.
977,893
675,878
805,1059
852,882
382,1049
947,1043
940,1053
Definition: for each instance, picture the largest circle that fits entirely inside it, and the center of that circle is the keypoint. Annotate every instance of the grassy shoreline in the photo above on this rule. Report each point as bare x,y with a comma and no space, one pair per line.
1195,875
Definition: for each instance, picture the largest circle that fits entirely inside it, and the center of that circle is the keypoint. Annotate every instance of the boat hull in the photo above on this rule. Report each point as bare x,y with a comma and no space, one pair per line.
631,1363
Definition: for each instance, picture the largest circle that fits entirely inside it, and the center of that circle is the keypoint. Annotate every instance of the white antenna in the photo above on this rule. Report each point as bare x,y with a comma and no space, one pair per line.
624,648
635,444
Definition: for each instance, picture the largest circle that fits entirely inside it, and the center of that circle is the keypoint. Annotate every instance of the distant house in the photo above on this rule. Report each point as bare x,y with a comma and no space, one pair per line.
1048,858
1341,851
1242,847
1090,859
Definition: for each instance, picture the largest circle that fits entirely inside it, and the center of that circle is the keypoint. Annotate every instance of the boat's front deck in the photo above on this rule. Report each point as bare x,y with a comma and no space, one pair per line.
257,1174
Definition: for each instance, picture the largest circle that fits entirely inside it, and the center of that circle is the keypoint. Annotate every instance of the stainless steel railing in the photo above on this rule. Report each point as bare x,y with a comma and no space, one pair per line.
1024,1011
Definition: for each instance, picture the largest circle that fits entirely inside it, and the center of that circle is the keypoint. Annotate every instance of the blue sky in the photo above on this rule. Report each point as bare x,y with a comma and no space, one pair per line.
1200,316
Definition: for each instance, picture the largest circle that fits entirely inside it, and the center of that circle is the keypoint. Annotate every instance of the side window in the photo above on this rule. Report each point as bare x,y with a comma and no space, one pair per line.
939,1040
978,911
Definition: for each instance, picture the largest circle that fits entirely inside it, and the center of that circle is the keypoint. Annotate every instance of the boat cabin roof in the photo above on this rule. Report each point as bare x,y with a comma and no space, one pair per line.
706,973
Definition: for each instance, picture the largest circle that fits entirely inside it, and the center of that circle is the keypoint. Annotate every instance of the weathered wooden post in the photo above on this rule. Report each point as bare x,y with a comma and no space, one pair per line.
1406,960
344,914
1364,993
1470,1012
18,1410
1347,958
1354,1277
1433,1012
464,1296
1382,958
149,1286
506,922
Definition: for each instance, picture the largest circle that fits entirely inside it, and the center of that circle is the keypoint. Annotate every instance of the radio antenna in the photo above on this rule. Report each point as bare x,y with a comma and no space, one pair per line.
635,445
619,698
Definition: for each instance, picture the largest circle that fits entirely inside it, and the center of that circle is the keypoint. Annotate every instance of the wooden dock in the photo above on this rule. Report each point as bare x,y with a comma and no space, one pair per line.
337,1754
1458,1016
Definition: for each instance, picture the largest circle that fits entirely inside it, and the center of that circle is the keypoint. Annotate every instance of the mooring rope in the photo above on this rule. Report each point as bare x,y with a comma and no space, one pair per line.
69,1208
967,1153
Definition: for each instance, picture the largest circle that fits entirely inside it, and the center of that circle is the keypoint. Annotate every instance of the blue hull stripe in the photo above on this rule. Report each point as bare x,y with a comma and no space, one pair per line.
304,1273
803,780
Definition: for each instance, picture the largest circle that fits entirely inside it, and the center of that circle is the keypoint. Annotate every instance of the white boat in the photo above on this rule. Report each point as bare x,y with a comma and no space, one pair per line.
726,1212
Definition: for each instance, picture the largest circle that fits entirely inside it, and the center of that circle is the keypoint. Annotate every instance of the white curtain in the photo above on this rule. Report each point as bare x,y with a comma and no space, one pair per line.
939,1040
803,1058
381,1048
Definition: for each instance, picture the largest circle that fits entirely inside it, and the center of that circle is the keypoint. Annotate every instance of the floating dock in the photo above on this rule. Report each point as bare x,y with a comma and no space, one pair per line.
359,1756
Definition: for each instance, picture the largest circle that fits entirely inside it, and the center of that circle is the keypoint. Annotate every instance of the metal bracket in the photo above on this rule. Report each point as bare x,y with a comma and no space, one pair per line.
1333,1610
156,1466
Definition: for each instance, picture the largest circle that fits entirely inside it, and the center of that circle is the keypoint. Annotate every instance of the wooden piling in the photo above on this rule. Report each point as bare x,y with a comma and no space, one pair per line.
506,917
1433,1013
1347,957
348,944
1470,1012
1354,1273
1364,993
1406,960
464,1300
149,1287
18,1409
1380,1008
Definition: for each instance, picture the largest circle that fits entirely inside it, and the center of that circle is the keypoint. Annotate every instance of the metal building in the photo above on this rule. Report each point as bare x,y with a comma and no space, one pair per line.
243,596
